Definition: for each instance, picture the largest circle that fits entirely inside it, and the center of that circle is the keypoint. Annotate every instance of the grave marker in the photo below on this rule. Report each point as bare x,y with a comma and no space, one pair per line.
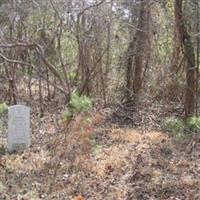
18,128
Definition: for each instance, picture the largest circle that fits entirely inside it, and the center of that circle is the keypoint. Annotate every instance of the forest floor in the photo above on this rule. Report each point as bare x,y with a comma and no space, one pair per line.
100,161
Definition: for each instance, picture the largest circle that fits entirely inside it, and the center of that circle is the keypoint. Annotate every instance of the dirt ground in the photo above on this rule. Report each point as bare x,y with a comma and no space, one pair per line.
108,163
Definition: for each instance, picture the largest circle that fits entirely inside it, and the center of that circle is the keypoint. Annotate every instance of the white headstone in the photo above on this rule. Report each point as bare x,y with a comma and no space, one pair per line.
18,128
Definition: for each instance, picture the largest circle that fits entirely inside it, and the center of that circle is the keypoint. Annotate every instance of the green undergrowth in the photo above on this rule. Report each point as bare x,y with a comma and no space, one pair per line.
181,128
3,110
77,104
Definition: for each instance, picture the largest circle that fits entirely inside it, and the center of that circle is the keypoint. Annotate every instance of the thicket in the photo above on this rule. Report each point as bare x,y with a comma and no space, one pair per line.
114,52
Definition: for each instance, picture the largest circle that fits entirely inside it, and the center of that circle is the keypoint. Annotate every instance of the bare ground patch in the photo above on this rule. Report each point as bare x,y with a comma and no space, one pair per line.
122,164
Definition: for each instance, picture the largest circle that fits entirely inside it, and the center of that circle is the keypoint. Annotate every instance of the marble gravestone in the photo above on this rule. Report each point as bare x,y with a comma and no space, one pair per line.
18,128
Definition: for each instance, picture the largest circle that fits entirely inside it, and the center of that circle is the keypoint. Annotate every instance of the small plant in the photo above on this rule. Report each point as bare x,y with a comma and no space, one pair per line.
72,75
3,109
77,104
193,123
175,126
178,127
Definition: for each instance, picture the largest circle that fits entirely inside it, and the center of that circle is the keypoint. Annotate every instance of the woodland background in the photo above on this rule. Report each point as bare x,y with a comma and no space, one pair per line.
113,86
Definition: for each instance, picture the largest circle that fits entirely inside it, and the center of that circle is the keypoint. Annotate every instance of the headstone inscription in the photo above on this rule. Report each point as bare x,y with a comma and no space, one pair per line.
18,128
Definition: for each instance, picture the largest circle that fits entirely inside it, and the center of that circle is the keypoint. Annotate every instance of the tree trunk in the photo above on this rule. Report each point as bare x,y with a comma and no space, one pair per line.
141,40
136,55
188,49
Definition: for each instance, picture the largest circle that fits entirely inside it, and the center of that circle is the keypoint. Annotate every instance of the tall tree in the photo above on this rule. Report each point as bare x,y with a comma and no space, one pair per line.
188,50
136,54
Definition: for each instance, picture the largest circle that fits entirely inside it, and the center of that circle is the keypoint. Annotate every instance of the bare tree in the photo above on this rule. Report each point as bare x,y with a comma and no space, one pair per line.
188,50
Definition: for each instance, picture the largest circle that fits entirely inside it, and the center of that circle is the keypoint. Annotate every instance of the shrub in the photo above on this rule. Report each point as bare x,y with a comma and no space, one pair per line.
72,75
77,104
175,126
193,123
178,127
3,109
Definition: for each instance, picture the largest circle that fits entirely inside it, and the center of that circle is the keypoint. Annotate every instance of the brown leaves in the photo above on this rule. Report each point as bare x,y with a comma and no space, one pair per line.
79,197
